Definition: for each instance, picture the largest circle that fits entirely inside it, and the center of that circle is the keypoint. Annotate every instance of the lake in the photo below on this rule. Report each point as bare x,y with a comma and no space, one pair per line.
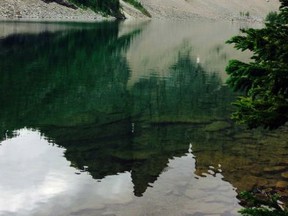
127,118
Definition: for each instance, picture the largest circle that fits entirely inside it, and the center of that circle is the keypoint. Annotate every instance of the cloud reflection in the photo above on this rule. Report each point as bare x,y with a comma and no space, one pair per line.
37,180
34,172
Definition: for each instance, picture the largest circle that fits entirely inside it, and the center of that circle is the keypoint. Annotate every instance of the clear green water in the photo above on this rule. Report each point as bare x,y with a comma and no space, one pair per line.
125,119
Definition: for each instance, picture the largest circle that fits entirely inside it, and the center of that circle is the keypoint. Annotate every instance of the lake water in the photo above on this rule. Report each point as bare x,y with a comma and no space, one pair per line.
126,119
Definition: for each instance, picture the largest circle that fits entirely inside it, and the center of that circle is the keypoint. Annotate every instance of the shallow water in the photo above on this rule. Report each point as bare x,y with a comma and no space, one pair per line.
126,119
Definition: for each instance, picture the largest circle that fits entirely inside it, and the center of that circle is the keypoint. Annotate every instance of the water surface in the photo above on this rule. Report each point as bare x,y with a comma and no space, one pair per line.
125,119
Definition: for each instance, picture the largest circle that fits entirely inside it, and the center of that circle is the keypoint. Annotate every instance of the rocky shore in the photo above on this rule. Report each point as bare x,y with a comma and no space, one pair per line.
35,10
49,10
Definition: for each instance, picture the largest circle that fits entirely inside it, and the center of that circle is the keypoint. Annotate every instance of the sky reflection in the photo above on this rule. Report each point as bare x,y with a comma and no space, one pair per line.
34,172
36,179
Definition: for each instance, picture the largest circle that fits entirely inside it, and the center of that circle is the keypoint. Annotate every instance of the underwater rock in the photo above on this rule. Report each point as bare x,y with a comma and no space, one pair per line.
217,126
281,184
284,175
274,169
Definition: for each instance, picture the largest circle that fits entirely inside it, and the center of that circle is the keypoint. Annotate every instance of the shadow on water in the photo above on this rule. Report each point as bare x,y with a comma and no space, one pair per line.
72,87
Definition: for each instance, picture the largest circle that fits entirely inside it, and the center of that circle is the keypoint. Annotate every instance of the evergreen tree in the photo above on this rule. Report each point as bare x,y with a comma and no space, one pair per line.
264,80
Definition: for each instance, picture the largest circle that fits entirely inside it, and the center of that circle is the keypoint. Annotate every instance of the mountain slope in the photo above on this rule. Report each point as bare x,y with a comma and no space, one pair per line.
159,9
215,9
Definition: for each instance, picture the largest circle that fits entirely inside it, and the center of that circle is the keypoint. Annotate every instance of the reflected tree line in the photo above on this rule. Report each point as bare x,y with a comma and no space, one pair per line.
72,86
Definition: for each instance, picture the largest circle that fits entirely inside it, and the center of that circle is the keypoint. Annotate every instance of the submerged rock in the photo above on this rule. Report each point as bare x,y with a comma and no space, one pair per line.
274,169
284,175
217,126
281,184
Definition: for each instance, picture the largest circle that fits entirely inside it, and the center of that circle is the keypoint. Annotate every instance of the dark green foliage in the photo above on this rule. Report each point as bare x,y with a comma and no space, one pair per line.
284,3
62,2
264,206
110,7
264,80
275,18
262,212
272,17
138,6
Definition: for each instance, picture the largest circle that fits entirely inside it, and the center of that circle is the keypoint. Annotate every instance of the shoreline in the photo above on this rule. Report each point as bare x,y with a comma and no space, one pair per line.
40,20
128,19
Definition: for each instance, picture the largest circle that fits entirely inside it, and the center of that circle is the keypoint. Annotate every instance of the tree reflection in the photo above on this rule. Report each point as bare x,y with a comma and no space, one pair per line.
72,86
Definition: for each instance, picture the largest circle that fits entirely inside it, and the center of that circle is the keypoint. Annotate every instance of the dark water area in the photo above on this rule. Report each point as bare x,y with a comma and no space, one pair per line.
126,118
